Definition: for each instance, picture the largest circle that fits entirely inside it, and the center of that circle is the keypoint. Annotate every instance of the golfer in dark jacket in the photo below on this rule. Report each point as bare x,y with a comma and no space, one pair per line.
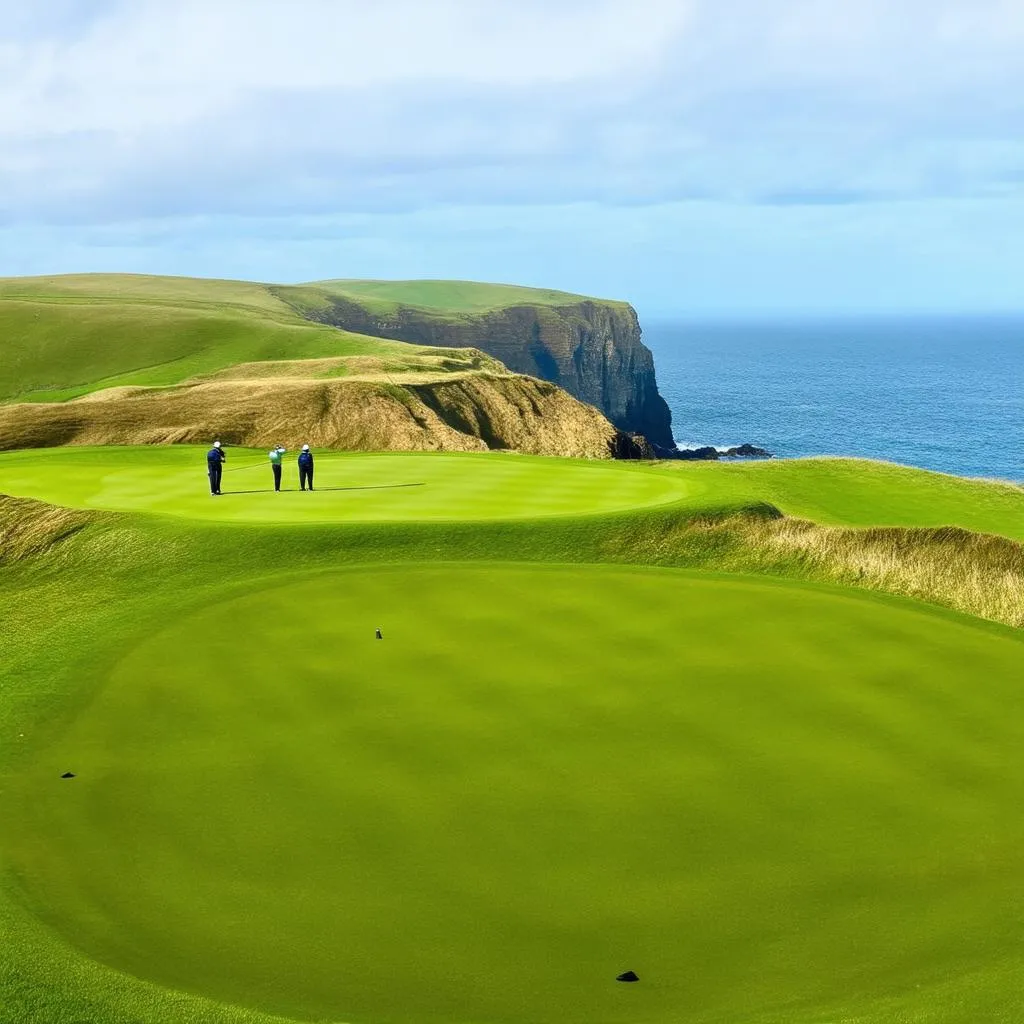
215,458
305,468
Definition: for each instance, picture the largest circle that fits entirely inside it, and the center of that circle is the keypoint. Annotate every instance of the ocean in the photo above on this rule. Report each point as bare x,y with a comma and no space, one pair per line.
944,394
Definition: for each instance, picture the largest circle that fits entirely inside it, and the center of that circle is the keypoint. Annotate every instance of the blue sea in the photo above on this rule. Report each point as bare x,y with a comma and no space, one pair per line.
944,394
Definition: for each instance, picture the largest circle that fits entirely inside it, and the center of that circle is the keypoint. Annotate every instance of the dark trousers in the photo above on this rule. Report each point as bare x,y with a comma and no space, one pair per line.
305,476
216,469
277,477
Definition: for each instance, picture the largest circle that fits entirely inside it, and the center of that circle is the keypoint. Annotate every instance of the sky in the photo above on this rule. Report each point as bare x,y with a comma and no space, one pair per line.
695,157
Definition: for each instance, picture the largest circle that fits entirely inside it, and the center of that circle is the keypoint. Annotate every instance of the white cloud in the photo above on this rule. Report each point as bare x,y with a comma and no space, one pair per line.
229,111
164,63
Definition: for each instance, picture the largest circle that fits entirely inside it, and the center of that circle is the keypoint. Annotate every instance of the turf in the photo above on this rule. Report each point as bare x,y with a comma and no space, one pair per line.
392,487
432,486
525,789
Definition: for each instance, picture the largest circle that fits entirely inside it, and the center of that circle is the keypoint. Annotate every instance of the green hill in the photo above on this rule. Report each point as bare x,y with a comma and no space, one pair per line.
63,337
453,297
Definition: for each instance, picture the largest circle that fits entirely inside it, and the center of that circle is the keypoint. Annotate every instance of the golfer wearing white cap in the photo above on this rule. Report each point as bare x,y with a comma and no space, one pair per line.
215,459
305,468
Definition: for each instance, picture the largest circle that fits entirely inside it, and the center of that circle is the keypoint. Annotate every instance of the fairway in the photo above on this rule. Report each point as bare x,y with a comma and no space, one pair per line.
768,800
349,487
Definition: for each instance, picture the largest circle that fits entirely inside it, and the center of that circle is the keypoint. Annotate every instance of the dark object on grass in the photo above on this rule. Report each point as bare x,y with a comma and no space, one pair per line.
628,976
68,775
380,635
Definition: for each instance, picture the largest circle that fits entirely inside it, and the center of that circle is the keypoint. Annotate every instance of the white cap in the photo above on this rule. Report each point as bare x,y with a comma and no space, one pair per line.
305,447
216,444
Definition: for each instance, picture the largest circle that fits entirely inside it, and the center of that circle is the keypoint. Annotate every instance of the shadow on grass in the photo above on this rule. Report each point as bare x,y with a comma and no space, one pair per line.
295,490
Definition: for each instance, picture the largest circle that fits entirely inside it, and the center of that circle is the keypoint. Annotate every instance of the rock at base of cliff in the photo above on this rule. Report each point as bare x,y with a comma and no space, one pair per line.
708,454
748,451
632,446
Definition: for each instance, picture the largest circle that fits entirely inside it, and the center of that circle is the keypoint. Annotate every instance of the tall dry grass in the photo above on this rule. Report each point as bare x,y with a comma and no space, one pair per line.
975,573
452,412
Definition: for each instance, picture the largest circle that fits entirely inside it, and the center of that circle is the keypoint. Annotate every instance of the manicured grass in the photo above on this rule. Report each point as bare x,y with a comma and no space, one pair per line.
430,486
350,487
773,802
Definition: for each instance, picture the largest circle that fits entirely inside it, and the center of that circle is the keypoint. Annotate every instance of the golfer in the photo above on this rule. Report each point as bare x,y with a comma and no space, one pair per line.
275,454
305,468
215,459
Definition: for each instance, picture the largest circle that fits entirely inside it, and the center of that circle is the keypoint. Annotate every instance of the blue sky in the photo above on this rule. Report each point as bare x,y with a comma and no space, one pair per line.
697,157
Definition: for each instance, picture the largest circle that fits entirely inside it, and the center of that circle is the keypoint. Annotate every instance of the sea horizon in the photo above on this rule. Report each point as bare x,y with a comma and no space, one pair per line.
944,393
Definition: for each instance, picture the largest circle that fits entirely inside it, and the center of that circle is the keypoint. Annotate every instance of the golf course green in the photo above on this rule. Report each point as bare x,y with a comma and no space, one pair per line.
349,487
524,789
777,800
460,486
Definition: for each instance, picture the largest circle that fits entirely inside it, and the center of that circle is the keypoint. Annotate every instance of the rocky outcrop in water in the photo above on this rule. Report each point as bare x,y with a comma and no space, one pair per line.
709,454
591,349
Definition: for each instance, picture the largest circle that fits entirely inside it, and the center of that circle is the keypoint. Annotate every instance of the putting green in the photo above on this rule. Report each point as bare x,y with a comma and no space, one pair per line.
766,799
349,487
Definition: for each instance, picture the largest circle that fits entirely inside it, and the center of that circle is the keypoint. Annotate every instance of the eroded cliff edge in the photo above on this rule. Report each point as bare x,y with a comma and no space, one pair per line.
470,412
591,349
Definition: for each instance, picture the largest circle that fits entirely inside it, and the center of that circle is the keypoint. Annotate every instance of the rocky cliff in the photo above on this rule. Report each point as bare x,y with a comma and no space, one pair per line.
592,349
471,412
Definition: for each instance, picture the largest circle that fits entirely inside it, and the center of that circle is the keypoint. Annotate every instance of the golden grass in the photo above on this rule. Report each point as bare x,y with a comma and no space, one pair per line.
423,365
975,573
30,527
450,412
979,574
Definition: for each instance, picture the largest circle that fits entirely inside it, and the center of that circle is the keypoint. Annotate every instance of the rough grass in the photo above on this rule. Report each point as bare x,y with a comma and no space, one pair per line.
974,573
414,412
32,527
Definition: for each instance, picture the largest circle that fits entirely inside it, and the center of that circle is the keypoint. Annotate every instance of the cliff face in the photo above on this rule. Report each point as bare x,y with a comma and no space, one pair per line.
475,412
591,349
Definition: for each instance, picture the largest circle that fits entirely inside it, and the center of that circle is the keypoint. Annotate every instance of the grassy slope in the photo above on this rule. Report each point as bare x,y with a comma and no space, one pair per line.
123,575
61,337
67,336
445,296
